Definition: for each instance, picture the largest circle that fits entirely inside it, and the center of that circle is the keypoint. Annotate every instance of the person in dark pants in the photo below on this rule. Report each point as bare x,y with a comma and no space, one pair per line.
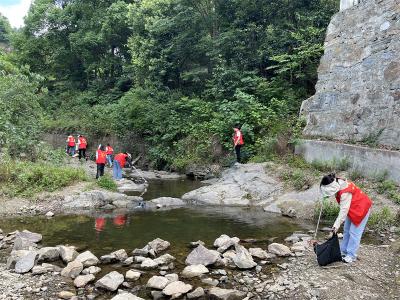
237,141
100,161
82,145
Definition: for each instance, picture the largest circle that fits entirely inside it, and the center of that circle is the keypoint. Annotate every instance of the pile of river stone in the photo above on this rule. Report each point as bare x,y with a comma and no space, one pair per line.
230,271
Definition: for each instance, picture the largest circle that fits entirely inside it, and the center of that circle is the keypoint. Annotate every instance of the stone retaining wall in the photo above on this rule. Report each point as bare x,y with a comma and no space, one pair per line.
367,161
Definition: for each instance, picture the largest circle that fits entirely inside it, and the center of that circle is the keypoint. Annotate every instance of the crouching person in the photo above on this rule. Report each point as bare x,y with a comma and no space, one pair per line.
119,164
355,207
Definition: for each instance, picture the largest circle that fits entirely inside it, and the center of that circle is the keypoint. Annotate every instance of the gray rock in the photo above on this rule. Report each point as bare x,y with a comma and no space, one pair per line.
126,296
49,214
67,254
148,264
49,254
39,270
91,270
14,257
51,268
157,282
30,236
197,293
65,295
176,289
202,256
164,259
23,244
26,262
279,249
243,259
132,275
194,271
83,280
225,242
141,252
88,259
111,281
172,277
73,269
168,202
210,281
226,294
260,253
159,245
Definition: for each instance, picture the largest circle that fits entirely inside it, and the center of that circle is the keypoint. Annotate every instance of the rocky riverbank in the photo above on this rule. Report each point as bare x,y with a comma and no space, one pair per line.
227,269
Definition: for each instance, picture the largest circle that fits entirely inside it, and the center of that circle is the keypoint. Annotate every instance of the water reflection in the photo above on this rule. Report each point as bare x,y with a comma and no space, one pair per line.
119,221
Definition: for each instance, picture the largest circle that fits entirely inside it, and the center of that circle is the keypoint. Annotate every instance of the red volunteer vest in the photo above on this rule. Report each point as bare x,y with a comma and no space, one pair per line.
101,157
121,159
82,143
109,150
238,138
360,203
71,141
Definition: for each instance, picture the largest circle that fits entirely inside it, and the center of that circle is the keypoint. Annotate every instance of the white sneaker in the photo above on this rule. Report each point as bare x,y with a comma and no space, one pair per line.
348,259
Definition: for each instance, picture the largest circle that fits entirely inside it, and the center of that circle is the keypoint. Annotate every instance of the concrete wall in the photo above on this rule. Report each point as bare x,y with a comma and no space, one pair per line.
367,161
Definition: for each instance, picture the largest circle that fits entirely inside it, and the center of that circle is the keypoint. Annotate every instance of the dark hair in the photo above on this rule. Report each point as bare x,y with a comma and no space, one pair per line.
328,179
238,126
102,148
108,144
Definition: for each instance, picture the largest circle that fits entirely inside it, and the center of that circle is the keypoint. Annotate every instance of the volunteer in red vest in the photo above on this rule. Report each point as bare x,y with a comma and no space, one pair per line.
110,152
237,141
119,164
71,145
82,145
100,161
355,207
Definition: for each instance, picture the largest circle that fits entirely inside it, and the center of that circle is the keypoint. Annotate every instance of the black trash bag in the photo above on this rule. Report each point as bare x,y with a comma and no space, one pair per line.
328,252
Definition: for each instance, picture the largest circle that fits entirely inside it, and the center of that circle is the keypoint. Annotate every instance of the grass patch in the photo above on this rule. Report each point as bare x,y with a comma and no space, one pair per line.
382,219
298,178
25,179
106,182
334,165
390,189
330,210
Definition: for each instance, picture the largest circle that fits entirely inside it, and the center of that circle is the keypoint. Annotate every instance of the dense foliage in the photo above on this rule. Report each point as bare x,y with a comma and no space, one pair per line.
177,72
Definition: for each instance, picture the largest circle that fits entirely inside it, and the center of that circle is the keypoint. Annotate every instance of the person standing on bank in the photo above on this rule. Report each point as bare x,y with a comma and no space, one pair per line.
237,141
71,145
82,145
109,152
100,161
119,164
355,207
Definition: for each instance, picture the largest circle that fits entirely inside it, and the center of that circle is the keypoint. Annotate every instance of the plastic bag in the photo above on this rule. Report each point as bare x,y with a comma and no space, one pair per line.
328,252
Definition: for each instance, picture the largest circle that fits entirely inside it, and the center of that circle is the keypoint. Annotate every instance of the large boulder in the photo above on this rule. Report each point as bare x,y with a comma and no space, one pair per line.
14,257
176,289
73,269
157,282
67,253
30,236
26,262
168,202
21,243
243,258
83,280
202,256
111,281
49,254
243,185
194,271
226,294
128,186
88,259
279,249
159,245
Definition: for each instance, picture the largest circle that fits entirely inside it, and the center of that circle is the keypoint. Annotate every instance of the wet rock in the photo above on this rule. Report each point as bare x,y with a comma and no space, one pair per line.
26,262
168,202
194,271
88,259
111,281
132,275
128,186
141,252
30,236
38,270
67,254
202,256
226,294
73,269
164,259
91,270
243,258
279,249
126,296
65,295
159,245
128,261
157,282
148,264
23,244
260,253
49,254
83,280
176,289
197,293
225,242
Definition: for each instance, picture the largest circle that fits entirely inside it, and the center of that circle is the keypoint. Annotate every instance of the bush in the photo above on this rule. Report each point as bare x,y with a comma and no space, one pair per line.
382,219
106,182
25,179
300,179
334,165
330,209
